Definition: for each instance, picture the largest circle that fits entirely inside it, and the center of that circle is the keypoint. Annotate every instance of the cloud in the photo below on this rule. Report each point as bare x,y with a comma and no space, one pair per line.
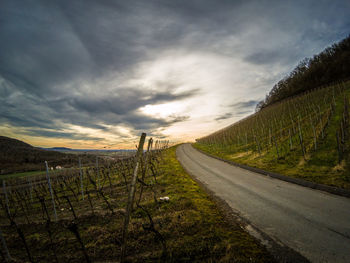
58,134
244,104
238,109
97,64
224,116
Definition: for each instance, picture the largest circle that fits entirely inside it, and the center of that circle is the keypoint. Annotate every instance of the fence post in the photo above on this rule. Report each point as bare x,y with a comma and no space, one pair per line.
340,155
81,179
144,172
98,174
50,188
131,196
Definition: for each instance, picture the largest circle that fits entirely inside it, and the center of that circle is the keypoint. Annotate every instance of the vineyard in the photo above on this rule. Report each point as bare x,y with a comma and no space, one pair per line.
305,136
139,209
63,202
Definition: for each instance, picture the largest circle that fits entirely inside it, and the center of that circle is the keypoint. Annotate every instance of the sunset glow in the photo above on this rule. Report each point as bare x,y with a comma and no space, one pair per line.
72,77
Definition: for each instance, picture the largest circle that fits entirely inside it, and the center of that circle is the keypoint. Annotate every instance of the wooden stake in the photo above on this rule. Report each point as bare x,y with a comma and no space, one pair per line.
98,174
81,179
131,196
144,172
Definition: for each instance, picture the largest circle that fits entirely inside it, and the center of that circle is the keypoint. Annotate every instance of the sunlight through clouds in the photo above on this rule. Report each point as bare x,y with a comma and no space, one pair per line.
72,76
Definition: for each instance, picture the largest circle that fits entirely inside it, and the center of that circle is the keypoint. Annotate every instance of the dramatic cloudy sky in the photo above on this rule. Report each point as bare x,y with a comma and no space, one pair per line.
93,74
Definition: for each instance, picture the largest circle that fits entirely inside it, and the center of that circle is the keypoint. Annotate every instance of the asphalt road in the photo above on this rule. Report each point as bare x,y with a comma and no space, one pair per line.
316,224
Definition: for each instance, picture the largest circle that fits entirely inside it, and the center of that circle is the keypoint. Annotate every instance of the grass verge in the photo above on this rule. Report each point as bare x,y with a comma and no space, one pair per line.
202,233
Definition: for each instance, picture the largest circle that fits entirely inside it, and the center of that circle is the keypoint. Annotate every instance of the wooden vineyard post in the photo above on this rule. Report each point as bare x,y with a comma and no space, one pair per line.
131,196
257,142
50,188
276,146
340,154
144,172
81,179
314,133
98,174
321,121
301,138
6,197
5,249
342,133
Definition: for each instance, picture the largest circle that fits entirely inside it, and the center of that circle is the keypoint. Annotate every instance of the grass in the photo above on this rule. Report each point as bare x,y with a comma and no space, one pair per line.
319,166
14,175
194,226
203,232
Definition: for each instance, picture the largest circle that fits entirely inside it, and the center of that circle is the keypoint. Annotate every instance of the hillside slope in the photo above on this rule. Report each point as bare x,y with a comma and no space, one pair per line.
305,137
16,156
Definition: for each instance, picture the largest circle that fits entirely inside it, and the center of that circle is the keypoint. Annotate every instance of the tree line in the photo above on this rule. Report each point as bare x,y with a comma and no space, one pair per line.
331,65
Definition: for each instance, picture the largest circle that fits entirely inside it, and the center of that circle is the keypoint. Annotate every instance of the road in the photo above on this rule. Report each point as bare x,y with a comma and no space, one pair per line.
316,224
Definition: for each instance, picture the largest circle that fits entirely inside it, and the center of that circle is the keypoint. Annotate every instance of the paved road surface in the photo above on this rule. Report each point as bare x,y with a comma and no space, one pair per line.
314,223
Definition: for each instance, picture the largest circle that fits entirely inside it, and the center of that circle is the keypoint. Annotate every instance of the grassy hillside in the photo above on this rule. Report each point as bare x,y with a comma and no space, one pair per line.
18,156
305,137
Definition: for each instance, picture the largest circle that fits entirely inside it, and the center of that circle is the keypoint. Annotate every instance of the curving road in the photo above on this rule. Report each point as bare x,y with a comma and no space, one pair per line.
316,224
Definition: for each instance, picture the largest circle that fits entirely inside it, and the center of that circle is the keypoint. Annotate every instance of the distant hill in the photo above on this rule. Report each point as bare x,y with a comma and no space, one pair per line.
59,149
18,156
69,150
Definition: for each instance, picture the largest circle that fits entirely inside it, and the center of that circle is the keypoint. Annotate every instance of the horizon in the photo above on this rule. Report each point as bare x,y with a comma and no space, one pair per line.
96,75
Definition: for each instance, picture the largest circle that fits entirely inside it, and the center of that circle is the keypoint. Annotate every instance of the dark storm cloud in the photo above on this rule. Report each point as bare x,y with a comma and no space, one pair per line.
122,108
224,116
58,134
127,100
238,109
244,104
50,49
270,57
230,115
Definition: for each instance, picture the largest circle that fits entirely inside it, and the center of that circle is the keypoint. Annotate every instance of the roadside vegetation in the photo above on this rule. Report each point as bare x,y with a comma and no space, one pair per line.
306,136
91,208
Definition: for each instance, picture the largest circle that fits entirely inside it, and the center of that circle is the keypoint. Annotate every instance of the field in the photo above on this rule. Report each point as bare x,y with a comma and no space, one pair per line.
306,136
22,174
82,215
